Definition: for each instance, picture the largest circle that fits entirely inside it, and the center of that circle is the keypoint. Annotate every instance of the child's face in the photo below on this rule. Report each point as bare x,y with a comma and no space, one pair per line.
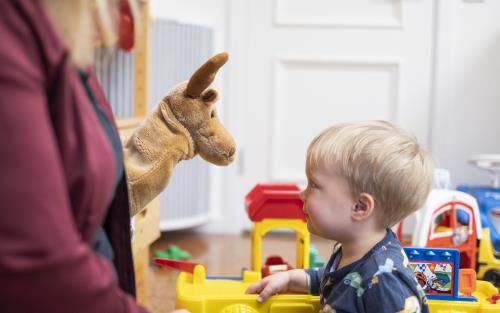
328,204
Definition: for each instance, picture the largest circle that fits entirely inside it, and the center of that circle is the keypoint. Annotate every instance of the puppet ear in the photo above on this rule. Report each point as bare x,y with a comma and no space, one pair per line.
205,75
210,95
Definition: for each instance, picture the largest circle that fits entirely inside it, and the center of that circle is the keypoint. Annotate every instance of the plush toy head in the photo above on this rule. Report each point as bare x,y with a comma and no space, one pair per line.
184,124
193,105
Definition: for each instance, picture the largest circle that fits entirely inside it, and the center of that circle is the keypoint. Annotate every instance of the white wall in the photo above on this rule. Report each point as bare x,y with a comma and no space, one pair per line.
466,112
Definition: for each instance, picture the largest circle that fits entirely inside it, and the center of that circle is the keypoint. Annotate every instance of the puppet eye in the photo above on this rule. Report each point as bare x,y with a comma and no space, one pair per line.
212,114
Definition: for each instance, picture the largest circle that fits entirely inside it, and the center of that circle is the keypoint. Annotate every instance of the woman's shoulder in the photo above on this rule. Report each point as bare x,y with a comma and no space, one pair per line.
27,33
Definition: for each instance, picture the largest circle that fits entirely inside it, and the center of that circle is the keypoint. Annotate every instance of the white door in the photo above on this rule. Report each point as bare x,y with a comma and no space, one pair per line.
309,63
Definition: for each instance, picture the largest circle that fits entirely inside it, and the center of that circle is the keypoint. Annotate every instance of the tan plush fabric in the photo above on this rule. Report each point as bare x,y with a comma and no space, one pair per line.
183,124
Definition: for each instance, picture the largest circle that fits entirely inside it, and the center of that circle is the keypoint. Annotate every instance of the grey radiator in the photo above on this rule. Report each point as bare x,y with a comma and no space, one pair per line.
177,49
115,71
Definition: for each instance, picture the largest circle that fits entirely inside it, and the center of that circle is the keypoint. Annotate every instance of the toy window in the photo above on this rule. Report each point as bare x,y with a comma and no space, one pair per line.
463,228
442,222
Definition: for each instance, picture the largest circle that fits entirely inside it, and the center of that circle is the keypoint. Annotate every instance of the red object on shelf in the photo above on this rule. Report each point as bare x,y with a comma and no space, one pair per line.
126,27
183,266
274,201
275,264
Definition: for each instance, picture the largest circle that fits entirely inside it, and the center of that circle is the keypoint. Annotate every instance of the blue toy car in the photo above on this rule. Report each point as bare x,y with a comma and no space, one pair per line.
489,207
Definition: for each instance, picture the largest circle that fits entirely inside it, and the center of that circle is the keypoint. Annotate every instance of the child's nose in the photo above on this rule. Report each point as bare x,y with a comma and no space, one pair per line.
303,198
302,195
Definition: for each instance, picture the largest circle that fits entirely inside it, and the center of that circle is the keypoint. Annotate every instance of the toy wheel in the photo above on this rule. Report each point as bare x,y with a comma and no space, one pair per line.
493,276
238,308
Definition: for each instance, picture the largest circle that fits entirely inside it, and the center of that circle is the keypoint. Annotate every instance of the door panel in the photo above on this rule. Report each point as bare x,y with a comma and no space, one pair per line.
309,64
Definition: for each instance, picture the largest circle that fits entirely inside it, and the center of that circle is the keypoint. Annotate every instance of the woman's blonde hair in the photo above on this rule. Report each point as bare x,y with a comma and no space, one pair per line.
84,23
378,158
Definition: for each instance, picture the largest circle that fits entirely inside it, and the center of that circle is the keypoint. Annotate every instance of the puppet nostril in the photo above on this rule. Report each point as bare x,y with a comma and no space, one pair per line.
231,152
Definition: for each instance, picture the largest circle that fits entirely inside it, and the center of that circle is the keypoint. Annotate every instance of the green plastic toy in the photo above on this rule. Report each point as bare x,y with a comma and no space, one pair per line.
315,260
173,252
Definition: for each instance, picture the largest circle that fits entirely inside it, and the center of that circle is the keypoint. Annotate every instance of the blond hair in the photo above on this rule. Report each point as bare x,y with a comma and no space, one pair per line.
378,158
79,21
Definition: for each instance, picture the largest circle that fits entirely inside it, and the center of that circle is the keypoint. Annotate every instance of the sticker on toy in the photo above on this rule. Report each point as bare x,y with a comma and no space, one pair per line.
434,278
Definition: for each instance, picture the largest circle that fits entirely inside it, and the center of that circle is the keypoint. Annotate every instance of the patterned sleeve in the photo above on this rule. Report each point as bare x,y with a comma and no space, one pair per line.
314,276
391,292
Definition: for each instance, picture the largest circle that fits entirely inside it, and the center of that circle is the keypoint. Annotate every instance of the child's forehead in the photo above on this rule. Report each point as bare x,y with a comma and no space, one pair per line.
322,158
320,161
322,169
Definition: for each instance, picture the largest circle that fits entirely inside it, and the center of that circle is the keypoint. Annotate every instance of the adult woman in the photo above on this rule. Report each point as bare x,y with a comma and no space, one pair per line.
64,230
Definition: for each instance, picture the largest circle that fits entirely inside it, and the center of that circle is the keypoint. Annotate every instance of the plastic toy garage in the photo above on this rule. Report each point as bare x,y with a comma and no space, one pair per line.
273,206
455,219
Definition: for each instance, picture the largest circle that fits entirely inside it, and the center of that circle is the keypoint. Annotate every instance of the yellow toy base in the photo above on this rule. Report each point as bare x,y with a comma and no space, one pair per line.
198,294
484,290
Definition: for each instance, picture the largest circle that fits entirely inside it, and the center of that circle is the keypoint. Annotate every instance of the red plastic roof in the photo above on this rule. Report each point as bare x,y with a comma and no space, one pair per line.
274,201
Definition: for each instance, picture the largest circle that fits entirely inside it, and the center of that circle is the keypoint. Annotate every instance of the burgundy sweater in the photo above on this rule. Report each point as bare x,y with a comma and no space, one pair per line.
57,171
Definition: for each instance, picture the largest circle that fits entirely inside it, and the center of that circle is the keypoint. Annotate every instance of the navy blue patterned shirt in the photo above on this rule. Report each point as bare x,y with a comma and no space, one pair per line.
381,281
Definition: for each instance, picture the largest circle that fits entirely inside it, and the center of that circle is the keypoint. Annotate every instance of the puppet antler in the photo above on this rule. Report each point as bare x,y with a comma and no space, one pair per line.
205,75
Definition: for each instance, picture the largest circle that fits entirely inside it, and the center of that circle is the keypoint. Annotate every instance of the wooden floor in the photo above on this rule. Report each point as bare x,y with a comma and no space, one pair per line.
223,255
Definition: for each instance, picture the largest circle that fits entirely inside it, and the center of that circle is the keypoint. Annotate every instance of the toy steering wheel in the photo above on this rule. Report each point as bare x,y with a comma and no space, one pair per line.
489,162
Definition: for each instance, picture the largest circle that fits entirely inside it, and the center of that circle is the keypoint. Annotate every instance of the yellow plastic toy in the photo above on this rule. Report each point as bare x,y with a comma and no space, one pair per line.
201,294
488,262
260,229
196,293
270,207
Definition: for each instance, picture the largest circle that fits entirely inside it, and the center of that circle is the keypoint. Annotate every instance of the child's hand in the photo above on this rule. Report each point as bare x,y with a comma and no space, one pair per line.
271,285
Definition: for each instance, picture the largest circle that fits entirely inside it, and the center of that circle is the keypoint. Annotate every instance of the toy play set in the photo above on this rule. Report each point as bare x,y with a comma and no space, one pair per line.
272,206
462,219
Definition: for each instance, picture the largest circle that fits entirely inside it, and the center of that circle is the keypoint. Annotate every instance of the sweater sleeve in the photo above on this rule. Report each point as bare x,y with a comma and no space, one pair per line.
314,277
44,264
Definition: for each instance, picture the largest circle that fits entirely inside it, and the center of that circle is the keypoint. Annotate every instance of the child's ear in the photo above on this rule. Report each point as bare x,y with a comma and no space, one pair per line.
210,95
363,208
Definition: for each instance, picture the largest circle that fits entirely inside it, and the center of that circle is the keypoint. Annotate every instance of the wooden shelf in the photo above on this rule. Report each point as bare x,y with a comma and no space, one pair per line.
147,221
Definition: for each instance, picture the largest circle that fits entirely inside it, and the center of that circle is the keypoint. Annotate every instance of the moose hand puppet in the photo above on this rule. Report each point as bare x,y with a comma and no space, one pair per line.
183,124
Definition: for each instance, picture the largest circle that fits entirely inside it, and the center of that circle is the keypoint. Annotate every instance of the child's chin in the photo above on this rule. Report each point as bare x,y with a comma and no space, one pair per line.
311,229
